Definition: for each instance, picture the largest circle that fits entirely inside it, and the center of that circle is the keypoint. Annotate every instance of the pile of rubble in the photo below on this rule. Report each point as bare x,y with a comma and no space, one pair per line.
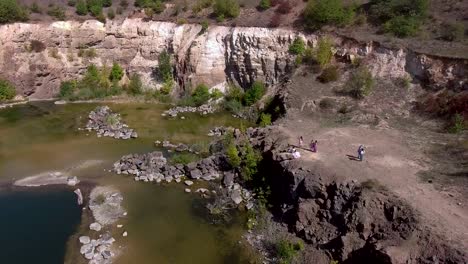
108,124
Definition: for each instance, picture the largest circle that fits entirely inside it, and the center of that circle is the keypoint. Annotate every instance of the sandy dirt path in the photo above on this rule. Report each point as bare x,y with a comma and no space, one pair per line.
388,160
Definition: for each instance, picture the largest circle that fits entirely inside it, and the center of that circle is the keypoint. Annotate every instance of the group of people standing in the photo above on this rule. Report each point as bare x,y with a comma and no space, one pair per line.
313,148
313,144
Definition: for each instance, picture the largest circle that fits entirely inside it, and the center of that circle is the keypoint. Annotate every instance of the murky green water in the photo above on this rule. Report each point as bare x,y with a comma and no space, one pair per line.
164,224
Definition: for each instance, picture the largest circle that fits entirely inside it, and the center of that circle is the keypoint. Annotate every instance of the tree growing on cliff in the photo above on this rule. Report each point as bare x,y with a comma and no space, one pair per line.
255,93
7,90
297,47
135,86
116,73
324,53
201,95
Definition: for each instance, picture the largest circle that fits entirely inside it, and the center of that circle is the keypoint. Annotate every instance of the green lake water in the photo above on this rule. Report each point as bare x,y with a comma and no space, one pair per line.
165,225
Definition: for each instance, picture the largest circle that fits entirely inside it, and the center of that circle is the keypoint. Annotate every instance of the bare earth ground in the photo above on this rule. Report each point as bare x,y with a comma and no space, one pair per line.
392,161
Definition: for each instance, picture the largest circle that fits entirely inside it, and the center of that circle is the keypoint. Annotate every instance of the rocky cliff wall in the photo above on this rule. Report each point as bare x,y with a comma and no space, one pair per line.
37,57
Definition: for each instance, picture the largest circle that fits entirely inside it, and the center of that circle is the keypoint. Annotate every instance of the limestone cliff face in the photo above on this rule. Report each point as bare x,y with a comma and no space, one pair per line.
214,57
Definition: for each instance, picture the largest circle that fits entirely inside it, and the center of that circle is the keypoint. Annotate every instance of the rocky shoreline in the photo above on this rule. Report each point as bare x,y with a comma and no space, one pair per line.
154,167
108,124
105,204
345,221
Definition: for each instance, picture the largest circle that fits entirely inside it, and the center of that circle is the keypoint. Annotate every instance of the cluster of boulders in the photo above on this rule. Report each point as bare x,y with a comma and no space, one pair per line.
106,206
97,251
153,167
109,124
203,110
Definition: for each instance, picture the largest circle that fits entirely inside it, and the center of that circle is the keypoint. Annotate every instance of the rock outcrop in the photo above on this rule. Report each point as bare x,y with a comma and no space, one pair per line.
37,57
352,222
109,124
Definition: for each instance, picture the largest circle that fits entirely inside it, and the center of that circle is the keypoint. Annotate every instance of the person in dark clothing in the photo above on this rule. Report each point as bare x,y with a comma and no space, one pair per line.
313,146
361,152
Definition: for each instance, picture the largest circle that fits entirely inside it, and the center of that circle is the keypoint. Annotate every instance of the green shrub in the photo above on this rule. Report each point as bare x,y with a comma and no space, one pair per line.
201,95
135,86
287,251
384,10
324,53
81,8
399,17
216,94
71,2
165,67
329,74
200,5
233,106
35,8
111,13
235,93
250,161
264,4
265,120
183,158
166,89
205,26
255,93
94,84
402,27
95,7
11,11
106,3
226,8
297,47
458,124
57,12
151,6
233,156
361,83
7,90
453,32
116,73
322,12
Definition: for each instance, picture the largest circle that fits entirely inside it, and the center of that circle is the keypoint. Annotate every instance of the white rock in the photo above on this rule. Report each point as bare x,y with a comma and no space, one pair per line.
188,183
84,239
125,234
95,226
188,190
119,226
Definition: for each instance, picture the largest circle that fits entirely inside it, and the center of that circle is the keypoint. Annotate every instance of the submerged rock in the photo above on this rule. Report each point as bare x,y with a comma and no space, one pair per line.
95,227
79,196
84,239
47,178
106,205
